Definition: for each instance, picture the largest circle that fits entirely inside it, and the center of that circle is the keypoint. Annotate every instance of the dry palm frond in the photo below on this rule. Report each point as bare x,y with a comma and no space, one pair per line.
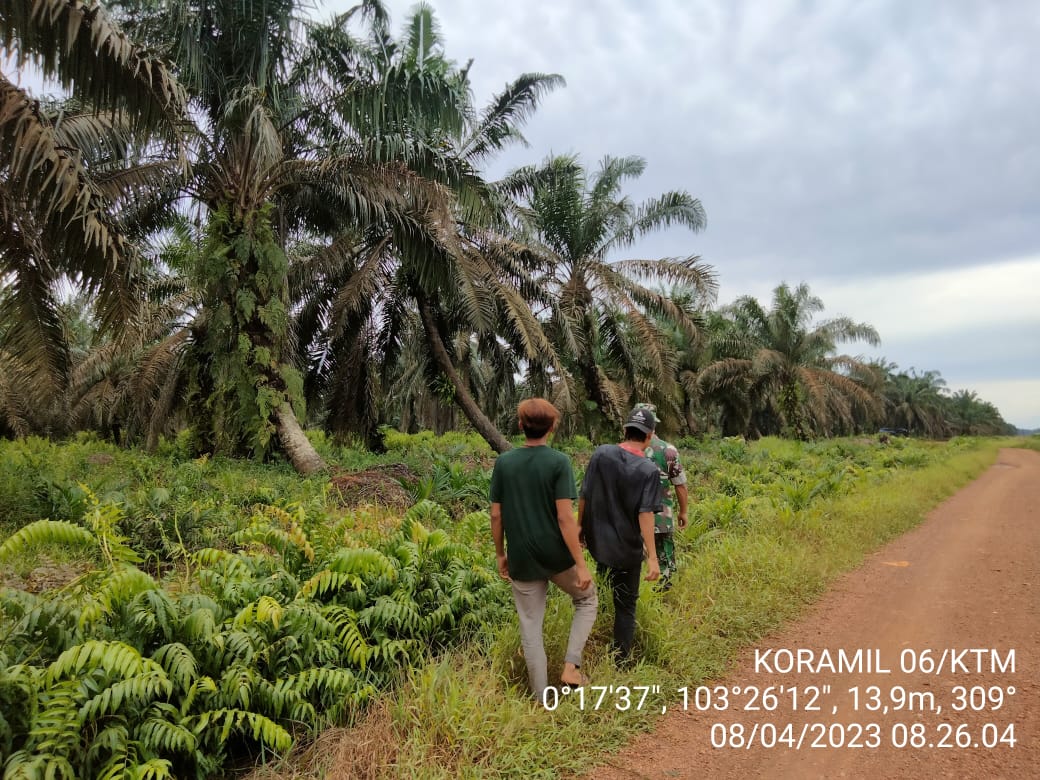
53,183
78,43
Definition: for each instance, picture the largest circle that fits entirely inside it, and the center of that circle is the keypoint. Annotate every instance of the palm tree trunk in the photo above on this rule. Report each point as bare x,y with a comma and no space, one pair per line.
692,424
304,458
469,407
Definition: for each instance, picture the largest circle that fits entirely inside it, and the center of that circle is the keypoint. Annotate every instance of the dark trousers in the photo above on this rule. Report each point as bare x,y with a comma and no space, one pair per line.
624,586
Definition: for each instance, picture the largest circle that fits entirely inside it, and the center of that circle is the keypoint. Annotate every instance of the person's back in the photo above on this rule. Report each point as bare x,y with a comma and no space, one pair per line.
532,488
619,489
527,481
616,505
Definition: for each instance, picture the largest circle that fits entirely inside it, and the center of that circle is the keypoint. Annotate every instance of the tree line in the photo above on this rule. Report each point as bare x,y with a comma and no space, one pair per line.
242,222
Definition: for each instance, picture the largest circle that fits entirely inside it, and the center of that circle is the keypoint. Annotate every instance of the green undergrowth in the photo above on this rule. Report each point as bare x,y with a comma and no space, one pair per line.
159,604
171,502
742,575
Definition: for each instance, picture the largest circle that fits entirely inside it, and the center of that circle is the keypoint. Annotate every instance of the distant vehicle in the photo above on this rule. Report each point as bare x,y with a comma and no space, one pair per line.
894,431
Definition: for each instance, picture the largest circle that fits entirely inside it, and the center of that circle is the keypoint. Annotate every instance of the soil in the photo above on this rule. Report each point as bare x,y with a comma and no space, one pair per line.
967,578
46,576
380,485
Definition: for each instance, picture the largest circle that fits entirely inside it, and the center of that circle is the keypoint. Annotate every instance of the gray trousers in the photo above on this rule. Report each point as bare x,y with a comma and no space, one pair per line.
530,607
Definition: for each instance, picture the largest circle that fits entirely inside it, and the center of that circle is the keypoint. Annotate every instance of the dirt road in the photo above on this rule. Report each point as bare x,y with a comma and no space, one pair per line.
923,657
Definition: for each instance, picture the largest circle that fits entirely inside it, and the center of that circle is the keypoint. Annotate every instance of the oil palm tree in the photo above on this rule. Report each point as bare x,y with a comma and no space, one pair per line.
66,169
786,366
572,222
133,382
685,409
461,287
269,168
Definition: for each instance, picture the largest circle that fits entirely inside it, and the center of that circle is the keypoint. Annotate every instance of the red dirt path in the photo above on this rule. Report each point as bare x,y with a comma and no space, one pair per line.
967,578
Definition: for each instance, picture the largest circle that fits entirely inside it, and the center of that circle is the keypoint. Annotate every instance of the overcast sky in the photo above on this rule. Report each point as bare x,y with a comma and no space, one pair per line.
885,152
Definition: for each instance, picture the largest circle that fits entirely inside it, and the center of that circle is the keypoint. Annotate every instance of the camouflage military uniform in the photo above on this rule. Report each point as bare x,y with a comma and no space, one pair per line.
666,458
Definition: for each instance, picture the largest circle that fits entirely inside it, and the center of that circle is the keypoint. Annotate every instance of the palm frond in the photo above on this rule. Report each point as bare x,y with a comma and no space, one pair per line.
498,124
79,44
52,183
672,208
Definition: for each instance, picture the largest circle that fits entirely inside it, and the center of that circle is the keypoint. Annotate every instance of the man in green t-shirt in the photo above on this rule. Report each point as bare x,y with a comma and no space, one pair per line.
532,519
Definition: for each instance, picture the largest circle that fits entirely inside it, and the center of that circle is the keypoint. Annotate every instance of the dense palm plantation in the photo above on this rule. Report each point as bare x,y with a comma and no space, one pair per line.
240,222
235,224
384,291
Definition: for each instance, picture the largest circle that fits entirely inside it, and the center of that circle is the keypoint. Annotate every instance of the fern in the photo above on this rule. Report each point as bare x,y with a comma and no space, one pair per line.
23,765
44,533
291,531
389,615
200,627
275,701
161,735
338,681
355,649
391,651
139,689
363,562
425,512
153,616
234,646
305,618
116,658
37,627
110,741
19,690
179,664
117,586
210,556
330,582
203,688
338,690
55,729
161,730
438,621
104,520
260,728
405,552
131,769
351,568
237,684
117,677
284,541
263,610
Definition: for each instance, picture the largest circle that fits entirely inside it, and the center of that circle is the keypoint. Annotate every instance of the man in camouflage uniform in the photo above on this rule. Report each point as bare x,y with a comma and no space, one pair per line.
666,458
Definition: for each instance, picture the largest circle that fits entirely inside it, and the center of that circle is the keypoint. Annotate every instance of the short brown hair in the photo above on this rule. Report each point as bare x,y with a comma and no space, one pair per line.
537,417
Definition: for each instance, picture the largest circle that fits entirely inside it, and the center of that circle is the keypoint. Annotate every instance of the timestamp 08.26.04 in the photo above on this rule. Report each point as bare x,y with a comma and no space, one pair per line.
911,736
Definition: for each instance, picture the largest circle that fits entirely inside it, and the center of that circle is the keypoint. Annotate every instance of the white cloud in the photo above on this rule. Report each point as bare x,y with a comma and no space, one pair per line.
916,305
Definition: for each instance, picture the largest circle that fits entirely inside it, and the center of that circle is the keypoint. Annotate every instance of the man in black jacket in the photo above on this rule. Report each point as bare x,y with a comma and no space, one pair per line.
619,495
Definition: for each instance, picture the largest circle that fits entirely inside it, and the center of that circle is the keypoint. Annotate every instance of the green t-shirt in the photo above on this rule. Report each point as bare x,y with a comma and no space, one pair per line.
526,482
